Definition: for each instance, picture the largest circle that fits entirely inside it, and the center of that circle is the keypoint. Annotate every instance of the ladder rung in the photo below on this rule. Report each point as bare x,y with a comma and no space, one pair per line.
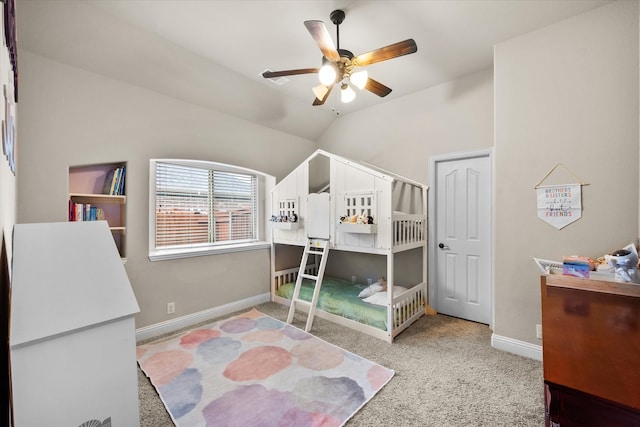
309,276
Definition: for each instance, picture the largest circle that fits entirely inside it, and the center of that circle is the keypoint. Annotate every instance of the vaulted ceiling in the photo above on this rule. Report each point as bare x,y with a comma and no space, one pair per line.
212,52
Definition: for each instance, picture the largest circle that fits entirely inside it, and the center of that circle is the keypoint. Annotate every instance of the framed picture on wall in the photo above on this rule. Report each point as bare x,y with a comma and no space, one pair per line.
8,128
10,42
10,89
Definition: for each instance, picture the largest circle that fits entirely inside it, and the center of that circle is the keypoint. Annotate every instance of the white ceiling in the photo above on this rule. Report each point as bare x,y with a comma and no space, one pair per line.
212,52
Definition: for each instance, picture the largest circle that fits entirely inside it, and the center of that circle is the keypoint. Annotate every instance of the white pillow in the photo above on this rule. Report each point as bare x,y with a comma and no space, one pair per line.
380,298
370,290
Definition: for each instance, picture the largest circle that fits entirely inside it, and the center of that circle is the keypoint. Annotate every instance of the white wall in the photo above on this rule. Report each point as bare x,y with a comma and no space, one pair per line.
72,117
565,93
401,135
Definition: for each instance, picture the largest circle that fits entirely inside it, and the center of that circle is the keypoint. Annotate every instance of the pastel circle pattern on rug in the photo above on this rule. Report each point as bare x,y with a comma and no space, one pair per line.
267,323
317,355
163,367
295,333
183,393
238,325
219,350
339,396
247,406
378,376
258,363
195,338
266,336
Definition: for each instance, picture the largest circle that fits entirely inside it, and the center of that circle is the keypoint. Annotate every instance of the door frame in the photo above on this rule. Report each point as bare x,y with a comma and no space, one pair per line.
432,226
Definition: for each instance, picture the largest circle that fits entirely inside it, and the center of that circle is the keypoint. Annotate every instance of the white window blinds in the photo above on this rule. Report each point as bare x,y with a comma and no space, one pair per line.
198,206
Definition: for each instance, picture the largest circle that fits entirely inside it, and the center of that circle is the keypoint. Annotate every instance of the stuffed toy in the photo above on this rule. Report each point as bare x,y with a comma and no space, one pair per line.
379,286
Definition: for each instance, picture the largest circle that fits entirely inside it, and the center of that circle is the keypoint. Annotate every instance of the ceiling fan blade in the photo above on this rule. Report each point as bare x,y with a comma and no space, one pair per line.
317,101
274,74
322,37
376,87
388,52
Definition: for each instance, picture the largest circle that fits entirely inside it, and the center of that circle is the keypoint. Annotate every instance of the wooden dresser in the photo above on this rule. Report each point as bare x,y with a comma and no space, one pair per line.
591,352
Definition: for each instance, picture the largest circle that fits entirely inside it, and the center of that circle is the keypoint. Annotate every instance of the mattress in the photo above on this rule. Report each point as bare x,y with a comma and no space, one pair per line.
340,297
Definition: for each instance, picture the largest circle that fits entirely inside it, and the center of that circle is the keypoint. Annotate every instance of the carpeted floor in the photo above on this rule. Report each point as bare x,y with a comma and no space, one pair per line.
446,374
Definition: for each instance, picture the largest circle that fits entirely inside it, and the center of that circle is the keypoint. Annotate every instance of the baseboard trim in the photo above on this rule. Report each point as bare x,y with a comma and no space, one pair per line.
521,348
178,323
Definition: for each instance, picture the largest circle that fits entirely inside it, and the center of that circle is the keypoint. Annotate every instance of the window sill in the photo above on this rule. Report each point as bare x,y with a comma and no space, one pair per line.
162,255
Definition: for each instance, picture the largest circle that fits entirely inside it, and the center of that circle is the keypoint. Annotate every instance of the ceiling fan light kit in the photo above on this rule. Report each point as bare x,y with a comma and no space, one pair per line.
359,78
338,64
346,93
327,74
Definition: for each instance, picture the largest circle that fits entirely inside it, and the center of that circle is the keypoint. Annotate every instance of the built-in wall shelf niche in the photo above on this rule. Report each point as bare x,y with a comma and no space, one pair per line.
97,192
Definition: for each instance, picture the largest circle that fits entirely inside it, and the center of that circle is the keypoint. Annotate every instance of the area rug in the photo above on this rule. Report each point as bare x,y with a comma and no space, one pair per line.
254,370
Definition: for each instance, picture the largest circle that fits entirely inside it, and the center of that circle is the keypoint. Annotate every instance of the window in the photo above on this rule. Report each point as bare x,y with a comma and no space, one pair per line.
203,207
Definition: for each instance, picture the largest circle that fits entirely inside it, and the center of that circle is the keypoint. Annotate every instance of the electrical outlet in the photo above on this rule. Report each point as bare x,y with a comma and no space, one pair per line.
353,279
539,332
171,308
369,281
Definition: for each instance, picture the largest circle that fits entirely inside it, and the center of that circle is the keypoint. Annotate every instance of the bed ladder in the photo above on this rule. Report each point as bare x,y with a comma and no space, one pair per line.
314,247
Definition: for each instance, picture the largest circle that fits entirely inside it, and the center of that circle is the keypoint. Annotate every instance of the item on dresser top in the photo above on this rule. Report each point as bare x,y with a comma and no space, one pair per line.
625,263
578,266
547,266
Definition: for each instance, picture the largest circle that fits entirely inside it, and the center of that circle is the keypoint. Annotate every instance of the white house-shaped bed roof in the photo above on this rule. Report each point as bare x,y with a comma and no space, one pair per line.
352,192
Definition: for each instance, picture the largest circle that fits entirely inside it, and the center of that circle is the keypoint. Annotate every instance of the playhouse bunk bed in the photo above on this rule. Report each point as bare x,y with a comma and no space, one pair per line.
359,209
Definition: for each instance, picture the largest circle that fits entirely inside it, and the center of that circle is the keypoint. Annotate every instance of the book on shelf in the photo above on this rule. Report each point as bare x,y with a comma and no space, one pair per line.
122,181
108,182
84,212
114,182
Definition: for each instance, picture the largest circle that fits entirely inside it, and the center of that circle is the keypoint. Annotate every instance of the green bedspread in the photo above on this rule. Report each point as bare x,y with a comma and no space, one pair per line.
340,297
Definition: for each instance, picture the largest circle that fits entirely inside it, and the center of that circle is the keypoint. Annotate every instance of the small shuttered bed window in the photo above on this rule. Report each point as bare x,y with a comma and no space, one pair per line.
199,206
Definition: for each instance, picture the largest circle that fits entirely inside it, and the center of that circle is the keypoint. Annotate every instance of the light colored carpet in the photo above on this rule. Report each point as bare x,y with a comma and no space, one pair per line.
446,374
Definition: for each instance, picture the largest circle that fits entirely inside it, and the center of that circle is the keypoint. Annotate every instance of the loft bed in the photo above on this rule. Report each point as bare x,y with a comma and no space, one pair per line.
362,211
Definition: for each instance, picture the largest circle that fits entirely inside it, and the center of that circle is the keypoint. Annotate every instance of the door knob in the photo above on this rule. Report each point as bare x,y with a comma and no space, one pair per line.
443,246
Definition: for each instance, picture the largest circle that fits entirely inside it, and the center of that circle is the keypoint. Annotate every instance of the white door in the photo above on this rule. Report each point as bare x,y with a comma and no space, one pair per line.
463,238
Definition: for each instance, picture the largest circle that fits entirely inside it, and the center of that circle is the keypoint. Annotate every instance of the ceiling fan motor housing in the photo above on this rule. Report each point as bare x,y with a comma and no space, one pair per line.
344,53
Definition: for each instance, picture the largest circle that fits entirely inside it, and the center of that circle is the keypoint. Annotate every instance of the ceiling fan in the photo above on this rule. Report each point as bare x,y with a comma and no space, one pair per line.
339,66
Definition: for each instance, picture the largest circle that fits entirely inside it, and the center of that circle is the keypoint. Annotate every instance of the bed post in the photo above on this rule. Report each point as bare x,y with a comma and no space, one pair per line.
425,245
390,284
272,252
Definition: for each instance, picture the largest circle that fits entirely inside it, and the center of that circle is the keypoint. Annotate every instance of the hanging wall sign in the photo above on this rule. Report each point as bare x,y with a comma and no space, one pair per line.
559,205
